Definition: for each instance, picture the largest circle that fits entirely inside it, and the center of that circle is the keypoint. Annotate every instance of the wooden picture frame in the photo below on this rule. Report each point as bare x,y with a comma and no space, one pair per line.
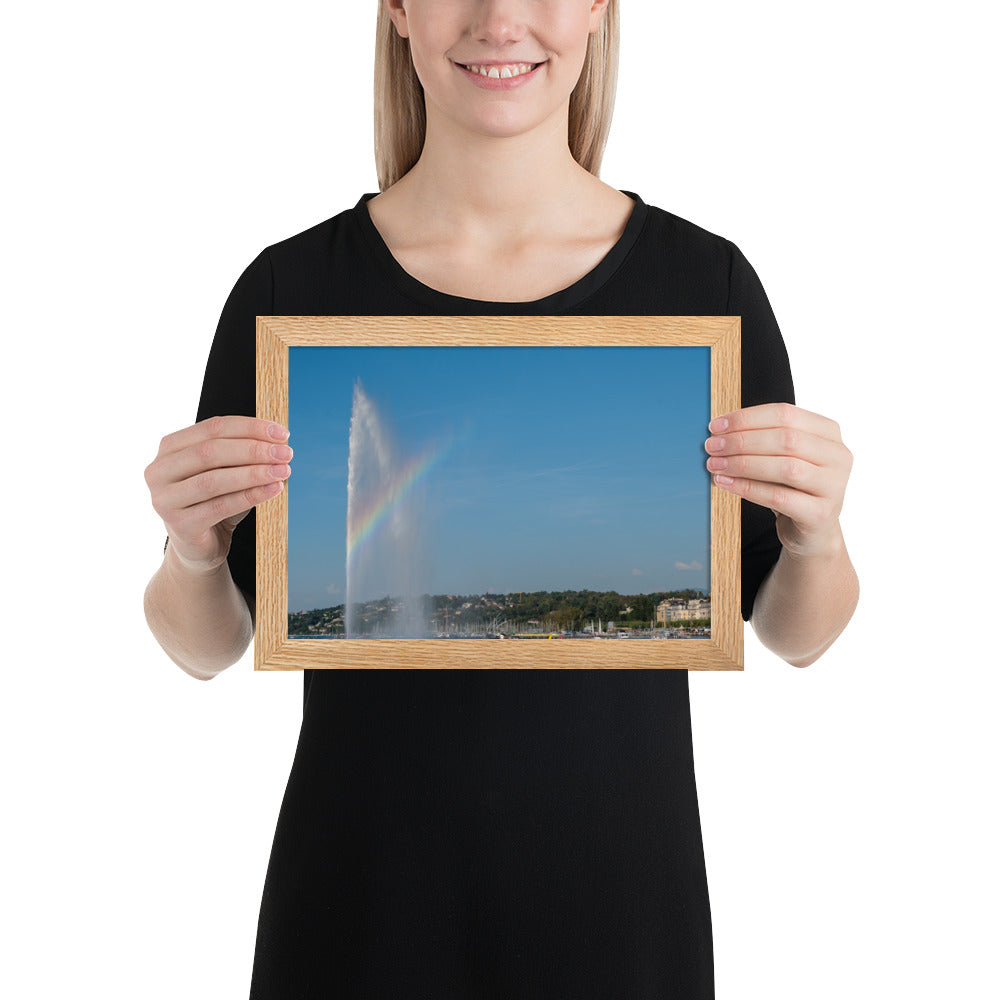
273,650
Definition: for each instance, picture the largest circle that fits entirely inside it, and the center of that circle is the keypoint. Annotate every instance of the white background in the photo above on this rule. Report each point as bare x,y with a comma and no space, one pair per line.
153,151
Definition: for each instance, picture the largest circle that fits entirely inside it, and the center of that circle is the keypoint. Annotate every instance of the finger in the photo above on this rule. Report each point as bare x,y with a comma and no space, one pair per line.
787,441
194,521
215,453
776,415
794,472
215,483
223,427
804,509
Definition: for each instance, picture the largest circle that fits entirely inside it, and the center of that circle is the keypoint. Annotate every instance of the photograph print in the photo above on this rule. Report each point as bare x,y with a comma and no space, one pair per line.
499,492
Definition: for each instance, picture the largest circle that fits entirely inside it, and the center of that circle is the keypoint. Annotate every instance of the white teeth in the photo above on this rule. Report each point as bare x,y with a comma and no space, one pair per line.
502,72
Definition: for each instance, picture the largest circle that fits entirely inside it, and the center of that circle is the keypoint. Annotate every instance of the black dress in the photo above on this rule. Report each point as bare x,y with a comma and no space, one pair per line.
481,834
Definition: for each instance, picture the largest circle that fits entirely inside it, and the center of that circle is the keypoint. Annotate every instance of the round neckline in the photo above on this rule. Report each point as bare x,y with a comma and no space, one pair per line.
565,298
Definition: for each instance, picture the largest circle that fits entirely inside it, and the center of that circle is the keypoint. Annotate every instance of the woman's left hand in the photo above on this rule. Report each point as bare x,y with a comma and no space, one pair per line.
790,460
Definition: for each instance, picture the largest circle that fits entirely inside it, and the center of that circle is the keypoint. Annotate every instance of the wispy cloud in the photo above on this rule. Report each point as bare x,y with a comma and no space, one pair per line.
582,506
426,413
332,588
637,572
694,564
589,463
504,475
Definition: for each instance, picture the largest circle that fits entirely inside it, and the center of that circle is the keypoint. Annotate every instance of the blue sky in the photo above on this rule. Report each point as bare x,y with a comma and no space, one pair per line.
558,468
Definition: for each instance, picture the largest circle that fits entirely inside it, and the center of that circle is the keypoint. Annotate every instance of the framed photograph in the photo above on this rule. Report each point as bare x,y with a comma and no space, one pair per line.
498,492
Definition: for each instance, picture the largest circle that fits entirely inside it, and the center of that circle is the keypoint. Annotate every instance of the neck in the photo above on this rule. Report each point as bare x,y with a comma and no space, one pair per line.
485,187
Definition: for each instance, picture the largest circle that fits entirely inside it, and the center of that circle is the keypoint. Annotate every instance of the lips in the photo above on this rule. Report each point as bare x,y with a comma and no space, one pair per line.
492,80
501,70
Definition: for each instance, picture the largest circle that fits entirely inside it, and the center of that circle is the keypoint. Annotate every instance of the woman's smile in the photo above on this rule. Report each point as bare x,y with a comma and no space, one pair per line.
500,76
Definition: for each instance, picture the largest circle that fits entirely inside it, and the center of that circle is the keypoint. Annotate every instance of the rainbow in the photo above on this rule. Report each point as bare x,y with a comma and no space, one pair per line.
384,502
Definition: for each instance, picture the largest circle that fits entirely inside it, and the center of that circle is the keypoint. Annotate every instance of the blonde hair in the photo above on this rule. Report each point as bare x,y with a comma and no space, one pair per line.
401,121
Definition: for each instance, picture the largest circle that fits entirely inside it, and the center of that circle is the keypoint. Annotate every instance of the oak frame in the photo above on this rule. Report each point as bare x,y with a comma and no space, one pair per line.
273,650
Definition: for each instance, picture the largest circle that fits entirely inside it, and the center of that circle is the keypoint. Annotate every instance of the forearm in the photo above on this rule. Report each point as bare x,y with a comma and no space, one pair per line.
805,602
201,620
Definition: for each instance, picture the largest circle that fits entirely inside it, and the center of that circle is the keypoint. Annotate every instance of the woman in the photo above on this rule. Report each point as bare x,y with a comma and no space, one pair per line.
494,833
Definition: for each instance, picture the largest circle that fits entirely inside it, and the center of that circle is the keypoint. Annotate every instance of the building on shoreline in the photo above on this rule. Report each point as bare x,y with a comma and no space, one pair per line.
675,609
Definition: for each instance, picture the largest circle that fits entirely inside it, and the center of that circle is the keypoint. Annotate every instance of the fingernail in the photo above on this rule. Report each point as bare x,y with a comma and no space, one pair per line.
278,432
718,425
715,444
724,480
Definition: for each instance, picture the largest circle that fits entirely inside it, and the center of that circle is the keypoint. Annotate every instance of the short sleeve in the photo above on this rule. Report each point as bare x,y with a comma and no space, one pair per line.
229,386
766,378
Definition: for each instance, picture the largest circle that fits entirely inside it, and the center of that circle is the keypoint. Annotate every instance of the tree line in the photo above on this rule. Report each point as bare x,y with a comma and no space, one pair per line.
561,609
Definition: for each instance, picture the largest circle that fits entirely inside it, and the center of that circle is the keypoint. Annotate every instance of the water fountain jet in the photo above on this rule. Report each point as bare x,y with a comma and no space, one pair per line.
386,520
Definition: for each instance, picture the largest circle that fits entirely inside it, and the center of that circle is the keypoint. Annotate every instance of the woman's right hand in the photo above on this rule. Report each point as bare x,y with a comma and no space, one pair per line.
206,478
